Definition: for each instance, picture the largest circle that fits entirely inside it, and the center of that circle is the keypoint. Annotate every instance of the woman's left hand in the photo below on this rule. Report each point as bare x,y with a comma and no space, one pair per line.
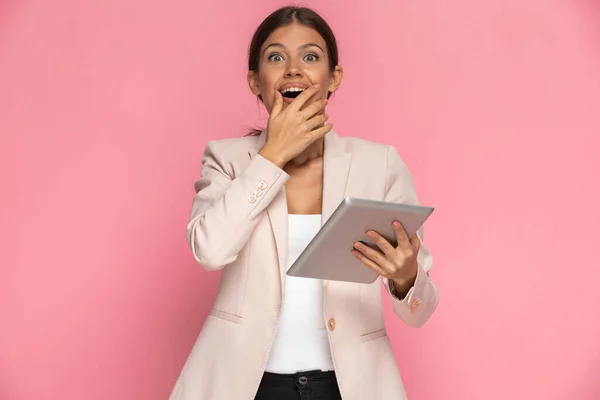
396,263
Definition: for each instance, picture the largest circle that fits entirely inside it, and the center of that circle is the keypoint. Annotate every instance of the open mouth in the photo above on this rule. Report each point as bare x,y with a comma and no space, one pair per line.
291,93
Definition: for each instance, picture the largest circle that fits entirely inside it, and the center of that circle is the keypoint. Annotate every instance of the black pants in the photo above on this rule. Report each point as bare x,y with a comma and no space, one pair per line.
309,385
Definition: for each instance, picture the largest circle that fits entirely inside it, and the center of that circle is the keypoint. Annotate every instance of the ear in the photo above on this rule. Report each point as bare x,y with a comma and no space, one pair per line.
335,80
253,82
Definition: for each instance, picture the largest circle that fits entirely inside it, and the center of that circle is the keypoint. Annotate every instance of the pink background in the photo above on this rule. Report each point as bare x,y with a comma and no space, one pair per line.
105,107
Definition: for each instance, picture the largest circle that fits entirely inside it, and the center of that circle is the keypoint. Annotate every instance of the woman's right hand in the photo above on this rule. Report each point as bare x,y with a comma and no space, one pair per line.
292,130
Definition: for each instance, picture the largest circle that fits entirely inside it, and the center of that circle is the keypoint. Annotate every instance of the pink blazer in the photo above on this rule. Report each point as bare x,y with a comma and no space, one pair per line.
238,225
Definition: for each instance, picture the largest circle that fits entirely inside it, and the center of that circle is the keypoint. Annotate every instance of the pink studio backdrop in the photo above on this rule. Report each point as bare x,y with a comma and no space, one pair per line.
105,107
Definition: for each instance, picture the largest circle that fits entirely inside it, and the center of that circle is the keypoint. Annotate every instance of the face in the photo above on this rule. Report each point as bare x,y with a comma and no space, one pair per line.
293,58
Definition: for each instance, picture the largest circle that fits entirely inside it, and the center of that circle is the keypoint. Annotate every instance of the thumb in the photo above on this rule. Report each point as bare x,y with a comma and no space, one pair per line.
278,104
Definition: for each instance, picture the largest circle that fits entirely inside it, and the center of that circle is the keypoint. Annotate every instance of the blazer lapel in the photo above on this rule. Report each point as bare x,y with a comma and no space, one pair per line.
278,215
336,166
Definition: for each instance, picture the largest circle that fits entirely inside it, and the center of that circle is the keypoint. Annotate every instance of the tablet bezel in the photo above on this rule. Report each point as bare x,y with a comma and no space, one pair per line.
328,255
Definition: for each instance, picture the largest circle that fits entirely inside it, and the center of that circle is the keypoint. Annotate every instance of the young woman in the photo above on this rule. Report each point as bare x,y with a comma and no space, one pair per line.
259,201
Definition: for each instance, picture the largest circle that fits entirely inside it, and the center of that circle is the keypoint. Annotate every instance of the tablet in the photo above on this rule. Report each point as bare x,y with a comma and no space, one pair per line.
328,255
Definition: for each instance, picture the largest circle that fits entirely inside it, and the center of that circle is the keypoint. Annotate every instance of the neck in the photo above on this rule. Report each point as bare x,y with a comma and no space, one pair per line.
315,150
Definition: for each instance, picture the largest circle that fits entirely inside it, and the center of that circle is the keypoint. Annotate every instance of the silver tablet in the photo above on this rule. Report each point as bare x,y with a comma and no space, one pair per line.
328,255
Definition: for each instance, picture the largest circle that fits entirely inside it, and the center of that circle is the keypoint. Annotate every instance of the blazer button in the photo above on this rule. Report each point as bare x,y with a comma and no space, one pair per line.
258,192
252,198
415,304
331,324
262,185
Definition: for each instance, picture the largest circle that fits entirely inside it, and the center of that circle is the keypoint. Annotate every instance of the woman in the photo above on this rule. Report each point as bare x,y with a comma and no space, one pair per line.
258,203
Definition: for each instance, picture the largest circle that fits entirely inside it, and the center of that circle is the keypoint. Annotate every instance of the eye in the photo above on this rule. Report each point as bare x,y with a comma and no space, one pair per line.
311,57
275,57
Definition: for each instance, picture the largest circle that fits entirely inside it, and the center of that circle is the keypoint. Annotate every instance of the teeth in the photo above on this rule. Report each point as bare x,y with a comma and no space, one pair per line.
293,89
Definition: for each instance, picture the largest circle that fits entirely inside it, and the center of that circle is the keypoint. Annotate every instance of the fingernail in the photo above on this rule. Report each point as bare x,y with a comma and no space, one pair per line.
396,224
370,234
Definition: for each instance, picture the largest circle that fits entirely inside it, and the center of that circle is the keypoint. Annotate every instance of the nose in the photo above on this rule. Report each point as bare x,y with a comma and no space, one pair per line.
293,70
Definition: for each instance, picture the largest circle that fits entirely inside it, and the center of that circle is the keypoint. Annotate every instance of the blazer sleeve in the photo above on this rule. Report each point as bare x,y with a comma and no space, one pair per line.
422,299
226,208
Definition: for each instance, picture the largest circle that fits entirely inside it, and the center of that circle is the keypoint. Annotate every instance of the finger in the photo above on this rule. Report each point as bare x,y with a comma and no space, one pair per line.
373,255
368,262
314,108
415,242
320,132
303,97
382,243
315,98
316,121
278,105
401,235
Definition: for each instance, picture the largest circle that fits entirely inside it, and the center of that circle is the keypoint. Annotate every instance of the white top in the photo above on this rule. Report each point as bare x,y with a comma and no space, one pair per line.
301,343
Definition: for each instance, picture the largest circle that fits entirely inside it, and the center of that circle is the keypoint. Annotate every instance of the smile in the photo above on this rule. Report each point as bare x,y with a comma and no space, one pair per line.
292,92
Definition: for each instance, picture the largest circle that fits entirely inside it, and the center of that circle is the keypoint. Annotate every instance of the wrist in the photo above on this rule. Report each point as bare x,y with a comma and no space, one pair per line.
272,157
403,284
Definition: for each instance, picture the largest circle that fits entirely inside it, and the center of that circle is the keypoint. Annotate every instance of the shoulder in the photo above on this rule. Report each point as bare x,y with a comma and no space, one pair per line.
230,147
372,150
378,158
355,144
229,155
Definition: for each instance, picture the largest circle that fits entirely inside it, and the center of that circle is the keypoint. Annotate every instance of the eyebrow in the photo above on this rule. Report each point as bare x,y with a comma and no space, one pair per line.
304,46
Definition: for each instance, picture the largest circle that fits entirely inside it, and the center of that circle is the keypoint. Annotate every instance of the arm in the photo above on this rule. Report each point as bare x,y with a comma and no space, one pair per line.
225,209
416,305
